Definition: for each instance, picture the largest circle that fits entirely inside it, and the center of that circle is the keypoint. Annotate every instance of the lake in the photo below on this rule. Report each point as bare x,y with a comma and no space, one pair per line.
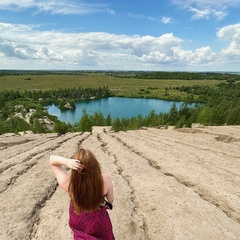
117,107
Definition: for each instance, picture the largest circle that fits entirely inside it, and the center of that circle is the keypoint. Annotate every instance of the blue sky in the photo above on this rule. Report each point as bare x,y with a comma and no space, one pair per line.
160,35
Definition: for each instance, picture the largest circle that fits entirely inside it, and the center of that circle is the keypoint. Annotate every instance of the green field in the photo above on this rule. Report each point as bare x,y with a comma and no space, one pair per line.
128,87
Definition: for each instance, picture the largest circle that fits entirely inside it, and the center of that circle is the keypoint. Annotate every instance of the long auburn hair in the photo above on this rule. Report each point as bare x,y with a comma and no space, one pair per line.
86,184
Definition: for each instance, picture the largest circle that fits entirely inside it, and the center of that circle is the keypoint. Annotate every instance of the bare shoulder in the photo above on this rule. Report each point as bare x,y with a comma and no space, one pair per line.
108,187
106,177
107,180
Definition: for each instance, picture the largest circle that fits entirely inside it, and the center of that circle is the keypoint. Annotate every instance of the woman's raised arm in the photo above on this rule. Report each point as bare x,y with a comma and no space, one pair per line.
57,164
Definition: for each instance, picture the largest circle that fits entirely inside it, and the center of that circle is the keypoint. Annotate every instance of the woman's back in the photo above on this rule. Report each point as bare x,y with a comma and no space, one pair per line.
87,188
86,183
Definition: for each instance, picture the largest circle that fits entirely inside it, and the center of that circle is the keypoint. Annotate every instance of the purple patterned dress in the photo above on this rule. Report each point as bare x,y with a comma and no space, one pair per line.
94,225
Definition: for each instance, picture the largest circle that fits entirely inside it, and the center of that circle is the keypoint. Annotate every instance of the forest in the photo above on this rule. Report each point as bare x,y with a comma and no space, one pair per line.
179,75
219,104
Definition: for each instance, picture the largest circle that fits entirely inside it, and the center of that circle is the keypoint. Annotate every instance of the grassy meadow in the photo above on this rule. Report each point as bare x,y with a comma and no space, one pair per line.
128,87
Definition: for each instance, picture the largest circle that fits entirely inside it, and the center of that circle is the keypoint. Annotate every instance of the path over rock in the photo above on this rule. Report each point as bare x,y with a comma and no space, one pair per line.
168,184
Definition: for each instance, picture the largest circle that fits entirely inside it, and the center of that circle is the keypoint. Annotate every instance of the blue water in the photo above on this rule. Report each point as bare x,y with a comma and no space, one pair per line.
117,107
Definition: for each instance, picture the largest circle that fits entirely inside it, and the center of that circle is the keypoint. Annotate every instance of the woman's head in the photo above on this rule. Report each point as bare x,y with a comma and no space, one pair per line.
86,184
88,161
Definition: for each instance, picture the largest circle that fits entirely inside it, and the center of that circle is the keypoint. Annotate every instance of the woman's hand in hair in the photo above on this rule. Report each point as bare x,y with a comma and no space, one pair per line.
74,164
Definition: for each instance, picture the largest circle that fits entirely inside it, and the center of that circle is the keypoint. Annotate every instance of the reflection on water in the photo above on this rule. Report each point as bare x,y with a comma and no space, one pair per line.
115,106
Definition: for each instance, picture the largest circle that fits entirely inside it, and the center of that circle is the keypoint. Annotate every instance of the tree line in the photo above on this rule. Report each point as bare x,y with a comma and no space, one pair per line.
178,75
219,105
69,93
222,107
226,76
16,105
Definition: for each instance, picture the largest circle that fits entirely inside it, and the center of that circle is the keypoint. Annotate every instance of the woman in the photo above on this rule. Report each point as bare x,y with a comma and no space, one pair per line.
91,194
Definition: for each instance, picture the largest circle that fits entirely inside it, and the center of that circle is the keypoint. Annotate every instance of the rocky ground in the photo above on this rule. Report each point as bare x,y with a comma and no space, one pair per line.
168,184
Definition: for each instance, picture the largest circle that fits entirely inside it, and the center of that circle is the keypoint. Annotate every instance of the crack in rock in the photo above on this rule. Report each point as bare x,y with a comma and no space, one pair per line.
143,224
185,183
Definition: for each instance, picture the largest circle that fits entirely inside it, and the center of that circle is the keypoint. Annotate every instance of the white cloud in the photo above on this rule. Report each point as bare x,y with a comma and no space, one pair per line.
25,46
62,7
230,34
206,9
206,13
166,20
139,16
200,13
206,3
11,4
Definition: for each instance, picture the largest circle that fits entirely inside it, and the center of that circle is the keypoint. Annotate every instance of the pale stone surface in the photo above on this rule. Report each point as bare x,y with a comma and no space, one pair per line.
168,184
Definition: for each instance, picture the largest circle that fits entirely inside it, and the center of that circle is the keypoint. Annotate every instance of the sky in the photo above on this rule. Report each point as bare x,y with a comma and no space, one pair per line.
146,35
